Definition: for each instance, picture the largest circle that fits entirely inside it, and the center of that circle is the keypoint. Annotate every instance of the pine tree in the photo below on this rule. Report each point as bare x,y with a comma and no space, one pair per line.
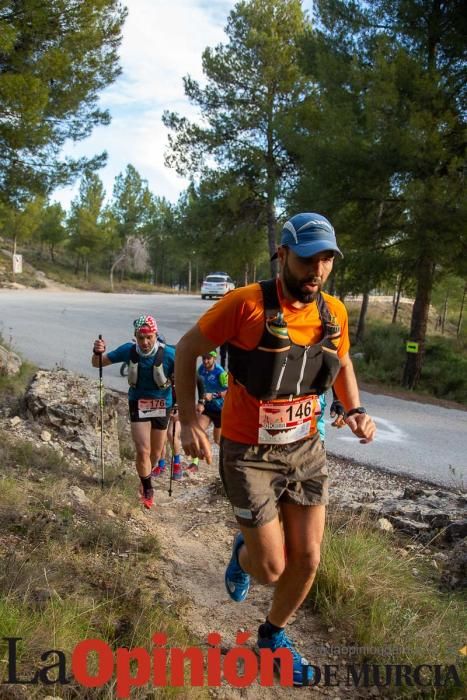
225,222
55,58
20,224
131,202
87,223
51,228
253,81
389,129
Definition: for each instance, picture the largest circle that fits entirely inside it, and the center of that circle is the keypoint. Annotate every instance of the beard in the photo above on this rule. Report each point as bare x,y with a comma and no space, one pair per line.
295,285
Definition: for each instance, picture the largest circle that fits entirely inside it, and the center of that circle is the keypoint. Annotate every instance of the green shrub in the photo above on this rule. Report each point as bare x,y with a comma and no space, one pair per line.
12,387
384,353
444,370
24,455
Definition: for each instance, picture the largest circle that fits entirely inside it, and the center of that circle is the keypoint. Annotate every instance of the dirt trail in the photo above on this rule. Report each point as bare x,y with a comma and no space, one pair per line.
54,286
49,284
195,528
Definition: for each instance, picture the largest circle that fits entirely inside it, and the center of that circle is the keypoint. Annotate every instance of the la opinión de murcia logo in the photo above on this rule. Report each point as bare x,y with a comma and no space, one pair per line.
94,663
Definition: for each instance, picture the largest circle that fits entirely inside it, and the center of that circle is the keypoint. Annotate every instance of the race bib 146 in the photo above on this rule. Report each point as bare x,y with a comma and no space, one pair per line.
285,421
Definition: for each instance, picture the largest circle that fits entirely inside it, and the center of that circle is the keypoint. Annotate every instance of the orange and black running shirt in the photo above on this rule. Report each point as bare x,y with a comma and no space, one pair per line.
238,318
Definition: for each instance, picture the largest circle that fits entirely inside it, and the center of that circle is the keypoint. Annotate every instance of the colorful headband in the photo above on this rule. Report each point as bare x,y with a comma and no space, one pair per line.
145,325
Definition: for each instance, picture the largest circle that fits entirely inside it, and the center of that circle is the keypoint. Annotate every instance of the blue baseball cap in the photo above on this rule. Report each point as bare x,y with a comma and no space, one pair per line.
308,234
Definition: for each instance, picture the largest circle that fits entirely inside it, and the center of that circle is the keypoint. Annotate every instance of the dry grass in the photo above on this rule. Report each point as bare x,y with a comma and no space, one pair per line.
69,573
370,593
381,309
62,272
12,387
27,277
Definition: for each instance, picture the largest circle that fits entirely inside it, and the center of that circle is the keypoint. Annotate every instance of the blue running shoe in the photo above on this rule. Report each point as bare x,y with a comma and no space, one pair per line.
303,673
237,581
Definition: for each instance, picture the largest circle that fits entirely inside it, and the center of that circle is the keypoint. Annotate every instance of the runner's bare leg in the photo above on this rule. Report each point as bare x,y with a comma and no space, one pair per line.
158,441
141,435
263,556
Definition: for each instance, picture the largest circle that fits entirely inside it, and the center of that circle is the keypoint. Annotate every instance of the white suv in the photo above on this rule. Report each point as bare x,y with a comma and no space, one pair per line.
216,285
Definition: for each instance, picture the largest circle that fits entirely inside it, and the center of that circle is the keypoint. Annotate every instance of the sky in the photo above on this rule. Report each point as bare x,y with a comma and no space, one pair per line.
163,41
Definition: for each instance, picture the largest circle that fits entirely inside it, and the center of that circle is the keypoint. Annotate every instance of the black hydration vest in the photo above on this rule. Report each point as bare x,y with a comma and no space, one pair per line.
278,367
158,374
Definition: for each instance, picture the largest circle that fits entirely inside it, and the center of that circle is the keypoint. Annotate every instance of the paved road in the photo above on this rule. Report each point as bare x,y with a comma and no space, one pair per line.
57,329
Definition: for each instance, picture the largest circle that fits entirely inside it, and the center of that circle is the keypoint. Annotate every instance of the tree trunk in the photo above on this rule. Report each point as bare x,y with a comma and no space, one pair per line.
362,317
397,300
254,272
271,190
340,283
445,311
52,253
189,276
459,322
245,276
414,361
13,259
112,269
271,222
162,267
366,293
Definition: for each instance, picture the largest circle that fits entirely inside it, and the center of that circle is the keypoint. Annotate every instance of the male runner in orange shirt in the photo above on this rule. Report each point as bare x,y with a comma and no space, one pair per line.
288,343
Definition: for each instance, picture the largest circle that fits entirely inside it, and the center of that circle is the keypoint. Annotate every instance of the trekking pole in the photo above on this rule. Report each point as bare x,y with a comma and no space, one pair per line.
172,458
101,404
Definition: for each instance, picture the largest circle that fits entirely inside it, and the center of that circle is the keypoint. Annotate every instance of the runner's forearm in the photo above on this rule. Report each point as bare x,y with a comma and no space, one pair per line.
95,361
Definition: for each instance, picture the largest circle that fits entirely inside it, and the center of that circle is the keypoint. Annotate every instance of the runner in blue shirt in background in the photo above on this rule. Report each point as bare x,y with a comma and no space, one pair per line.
151,364
214,378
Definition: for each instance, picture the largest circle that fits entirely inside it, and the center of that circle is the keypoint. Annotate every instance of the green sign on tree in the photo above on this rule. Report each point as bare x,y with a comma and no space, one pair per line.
411,346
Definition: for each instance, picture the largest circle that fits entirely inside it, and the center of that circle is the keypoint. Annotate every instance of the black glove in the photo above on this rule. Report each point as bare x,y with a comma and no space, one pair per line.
337,409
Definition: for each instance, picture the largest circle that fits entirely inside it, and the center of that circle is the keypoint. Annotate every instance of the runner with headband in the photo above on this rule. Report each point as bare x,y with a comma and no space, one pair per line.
150,366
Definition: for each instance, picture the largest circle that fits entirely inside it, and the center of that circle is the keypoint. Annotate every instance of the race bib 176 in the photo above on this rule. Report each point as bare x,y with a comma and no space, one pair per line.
151,408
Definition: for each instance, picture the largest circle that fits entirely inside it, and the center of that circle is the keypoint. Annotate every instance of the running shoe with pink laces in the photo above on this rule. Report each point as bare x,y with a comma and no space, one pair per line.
177,473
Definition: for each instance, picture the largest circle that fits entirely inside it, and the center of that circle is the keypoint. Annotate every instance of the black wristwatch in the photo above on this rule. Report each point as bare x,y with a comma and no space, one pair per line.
353,411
